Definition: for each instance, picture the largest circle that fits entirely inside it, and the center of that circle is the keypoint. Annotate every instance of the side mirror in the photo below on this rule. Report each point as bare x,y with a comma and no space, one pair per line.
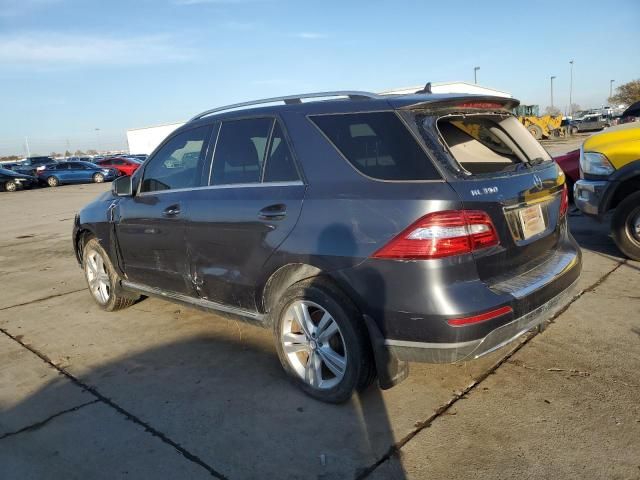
122,187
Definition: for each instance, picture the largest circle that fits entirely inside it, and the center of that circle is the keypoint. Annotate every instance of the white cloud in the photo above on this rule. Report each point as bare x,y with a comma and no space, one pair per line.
310,35
62,50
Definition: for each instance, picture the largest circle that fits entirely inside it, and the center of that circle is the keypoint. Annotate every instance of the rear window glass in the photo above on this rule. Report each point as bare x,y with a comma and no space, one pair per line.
378,145
489,143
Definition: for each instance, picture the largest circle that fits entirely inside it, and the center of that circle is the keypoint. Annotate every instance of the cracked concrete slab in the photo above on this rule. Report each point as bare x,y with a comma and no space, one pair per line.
93,442
30,390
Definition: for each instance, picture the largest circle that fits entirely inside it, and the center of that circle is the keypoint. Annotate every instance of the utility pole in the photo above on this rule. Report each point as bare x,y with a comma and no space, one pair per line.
571,90
610,89
552,91
475,74
26,142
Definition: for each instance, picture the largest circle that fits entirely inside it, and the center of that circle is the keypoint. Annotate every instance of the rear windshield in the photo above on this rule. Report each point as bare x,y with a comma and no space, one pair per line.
482,143
378,145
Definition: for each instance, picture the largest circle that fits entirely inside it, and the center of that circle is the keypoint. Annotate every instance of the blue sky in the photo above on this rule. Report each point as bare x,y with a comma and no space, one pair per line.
69,67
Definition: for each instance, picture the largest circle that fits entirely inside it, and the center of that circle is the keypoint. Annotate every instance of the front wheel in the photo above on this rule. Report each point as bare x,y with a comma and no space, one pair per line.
625,226
102,278
53,182
98,178
10,186
322,342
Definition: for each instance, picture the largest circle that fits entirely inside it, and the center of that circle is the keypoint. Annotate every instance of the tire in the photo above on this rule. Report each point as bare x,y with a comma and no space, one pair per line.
574,130
98,178
535,131
625,226
336,342
102,278
10,186
53,182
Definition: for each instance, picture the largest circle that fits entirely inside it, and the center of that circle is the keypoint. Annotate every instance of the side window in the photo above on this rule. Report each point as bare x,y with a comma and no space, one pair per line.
377,144
280,166
240,151
177,163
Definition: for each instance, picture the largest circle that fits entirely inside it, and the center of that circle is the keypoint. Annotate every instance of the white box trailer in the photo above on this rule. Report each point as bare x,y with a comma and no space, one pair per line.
145,140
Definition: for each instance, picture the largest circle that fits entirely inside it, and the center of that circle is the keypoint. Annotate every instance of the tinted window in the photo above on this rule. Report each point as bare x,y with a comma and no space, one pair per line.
177,163
280,166
240,151
378,145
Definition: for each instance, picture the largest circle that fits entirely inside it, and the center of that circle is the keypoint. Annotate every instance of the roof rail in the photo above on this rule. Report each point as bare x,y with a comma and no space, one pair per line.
291,99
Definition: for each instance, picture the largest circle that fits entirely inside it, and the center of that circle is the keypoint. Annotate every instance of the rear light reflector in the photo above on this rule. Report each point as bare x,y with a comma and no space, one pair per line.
483,317
564,202
442,234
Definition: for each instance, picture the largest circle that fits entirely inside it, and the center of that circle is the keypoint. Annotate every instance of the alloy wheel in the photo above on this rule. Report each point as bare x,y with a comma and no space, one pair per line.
97,277
10,186
313,344
634,225
98,178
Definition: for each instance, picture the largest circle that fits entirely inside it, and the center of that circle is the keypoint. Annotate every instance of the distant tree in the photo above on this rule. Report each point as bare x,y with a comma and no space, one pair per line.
67,153
553,111
78,153
626,94
92,152
575,108
53,154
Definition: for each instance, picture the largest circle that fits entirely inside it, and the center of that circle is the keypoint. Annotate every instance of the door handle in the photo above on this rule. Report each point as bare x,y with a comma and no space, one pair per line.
171,211
273,212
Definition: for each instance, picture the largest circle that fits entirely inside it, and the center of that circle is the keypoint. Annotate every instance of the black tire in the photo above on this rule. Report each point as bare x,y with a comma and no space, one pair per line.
535,131
359,372
53,182
10,186
114,300
574,130
98,178
624,223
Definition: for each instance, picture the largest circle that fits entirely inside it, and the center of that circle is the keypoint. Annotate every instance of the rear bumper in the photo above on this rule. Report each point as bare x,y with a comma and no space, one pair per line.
501,336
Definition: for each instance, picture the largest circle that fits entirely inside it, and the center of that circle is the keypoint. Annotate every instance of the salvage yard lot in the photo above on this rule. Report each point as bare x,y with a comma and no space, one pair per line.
163,391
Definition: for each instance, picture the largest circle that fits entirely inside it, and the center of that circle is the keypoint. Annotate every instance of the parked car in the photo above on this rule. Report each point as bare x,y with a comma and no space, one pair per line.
589,123
123,165
631,114
570,165
11,181
363,230
32,165
610,181
75,172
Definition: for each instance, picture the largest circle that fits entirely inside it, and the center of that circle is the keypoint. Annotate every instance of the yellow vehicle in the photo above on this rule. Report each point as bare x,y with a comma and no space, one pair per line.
610,180
545,126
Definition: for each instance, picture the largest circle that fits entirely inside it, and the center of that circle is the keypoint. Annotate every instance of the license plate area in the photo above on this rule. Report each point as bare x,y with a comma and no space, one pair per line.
531,221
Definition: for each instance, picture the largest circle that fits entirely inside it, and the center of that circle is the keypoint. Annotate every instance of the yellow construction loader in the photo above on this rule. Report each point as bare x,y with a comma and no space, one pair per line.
545,126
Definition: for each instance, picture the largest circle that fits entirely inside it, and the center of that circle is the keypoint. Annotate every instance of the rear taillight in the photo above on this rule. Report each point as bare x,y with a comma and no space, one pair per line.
564,201
442,234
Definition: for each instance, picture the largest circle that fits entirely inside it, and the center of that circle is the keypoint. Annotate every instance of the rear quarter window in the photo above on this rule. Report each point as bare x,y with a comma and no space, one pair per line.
378,145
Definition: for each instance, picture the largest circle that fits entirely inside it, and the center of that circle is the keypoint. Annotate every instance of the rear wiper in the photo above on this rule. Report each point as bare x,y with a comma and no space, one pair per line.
536,161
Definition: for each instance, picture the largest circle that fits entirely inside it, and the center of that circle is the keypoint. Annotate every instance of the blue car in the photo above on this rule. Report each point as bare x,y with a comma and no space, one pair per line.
75,172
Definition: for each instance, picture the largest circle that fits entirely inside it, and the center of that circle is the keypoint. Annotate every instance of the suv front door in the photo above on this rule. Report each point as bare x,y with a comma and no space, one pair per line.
150,226
252,203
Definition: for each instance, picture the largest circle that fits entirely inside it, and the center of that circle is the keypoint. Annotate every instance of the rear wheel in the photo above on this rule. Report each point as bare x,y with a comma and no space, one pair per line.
574,130
53,182
10,186
625,226
535,131
98,178
321,342
102,278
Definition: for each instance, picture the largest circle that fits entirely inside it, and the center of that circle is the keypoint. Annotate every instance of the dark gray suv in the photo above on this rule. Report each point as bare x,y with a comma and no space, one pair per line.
365,230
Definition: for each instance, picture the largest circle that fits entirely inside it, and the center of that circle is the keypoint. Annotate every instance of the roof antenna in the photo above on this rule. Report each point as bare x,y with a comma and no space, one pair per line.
426,89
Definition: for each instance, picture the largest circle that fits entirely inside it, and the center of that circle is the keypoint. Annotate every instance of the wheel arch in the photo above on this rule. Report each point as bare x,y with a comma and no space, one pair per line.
281,280
626,182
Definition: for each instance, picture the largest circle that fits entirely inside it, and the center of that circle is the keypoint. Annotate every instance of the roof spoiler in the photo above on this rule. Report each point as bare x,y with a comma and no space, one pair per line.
466,101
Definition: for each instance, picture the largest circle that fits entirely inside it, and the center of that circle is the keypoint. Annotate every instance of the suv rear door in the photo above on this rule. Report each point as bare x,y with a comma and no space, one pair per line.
252,203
